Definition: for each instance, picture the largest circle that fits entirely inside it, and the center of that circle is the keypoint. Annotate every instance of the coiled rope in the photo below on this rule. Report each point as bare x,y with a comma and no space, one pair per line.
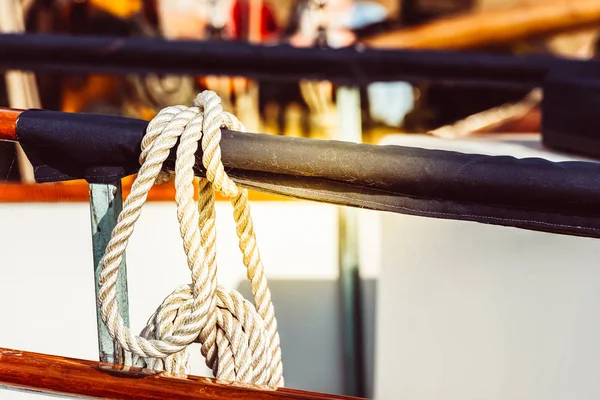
239,340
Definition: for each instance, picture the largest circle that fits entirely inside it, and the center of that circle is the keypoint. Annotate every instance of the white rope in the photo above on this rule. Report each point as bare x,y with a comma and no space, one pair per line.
239,340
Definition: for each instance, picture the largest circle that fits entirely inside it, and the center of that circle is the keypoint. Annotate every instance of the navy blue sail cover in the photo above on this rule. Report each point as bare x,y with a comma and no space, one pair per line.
558,197
570,120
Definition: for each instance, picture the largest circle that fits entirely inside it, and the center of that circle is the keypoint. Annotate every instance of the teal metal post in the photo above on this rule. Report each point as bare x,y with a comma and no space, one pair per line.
106,202
350,129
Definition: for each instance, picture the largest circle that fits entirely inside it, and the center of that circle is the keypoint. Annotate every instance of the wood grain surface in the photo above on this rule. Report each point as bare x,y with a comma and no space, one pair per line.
67,376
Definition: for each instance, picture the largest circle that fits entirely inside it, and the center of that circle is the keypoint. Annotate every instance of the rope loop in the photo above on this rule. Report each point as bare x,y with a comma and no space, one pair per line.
239,340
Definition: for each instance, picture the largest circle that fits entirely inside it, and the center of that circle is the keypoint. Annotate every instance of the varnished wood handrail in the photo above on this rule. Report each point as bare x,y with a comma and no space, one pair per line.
78,191
8,123
68,376
497,27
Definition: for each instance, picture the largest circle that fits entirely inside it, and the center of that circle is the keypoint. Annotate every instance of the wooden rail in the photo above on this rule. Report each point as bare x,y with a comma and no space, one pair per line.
79,191
72,377
8,123
497,27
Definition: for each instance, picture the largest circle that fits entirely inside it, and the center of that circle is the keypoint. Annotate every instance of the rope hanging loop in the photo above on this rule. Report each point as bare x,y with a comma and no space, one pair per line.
239,340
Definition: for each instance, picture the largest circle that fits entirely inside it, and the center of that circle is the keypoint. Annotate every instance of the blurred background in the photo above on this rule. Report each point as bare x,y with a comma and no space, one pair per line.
431,317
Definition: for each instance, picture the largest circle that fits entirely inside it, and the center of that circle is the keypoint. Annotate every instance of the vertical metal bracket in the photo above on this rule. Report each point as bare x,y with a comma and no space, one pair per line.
350,129
106,202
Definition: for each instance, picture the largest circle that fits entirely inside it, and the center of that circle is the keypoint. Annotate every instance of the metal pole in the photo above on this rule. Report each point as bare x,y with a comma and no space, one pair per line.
106,202
350,129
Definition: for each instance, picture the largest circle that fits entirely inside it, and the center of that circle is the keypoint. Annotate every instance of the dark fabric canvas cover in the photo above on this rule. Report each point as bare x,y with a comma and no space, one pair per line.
558,197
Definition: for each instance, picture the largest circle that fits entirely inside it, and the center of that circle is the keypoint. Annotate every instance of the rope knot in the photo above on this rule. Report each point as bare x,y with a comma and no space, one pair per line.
239,340
208,115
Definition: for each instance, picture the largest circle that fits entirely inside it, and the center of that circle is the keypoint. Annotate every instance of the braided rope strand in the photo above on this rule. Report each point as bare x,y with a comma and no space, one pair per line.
239,340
